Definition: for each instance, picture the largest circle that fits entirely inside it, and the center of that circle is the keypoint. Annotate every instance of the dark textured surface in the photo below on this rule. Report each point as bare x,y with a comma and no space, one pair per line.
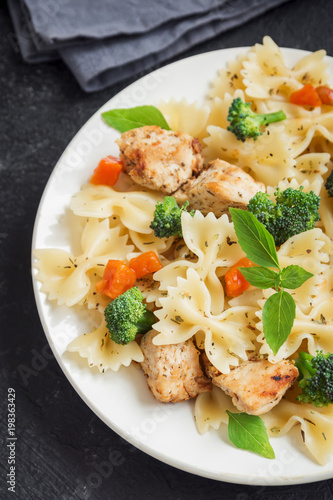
63,450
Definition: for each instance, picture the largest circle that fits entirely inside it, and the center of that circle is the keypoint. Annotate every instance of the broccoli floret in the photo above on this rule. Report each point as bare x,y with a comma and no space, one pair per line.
316,378
293,212
127,315
167,218
262,207
246,123
329,184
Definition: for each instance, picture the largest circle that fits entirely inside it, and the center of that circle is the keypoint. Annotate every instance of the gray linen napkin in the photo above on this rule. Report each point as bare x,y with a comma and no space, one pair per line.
61,20
107,41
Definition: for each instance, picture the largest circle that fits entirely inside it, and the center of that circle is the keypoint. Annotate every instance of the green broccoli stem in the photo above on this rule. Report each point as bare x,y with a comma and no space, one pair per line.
266,118
304,365
145,322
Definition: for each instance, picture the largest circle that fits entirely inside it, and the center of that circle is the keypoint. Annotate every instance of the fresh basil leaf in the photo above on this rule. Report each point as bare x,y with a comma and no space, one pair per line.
261,277
253,237
124,119
248,432
294,276
278,318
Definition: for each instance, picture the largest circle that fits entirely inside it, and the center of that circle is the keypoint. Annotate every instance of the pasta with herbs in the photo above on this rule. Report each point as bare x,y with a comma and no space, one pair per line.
186,311
182,115
102,352
315,424
214,248
187,295
266,76
228,79
134,209
70,279
269,159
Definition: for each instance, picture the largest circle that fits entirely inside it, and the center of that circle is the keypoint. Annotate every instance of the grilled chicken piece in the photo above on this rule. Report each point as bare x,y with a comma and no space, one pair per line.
173,371
160,159
255,386
218,187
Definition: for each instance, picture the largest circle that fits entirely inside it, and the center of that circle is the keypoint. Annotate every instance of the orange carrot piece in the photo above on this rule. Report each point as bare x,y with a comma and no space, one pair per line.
235,283
146,263
306,96
117,278
107,171
325,94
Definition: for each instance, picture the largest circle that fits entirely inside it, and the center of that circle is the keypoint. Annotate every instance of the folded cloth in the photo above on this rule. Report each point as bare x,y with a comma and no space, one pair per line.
106,41
63,20
24,38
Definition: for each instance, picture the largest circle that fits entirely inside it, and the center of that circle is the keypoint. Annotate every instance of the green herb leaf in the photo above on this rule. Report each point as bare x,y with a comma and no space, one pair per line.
294,276
253,237
261,277
248,432
129,118
278,317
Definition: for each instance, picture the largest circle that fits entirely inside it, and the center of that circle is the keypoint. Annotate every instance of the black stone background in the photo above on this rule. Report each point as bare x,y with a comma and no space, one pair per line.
63,450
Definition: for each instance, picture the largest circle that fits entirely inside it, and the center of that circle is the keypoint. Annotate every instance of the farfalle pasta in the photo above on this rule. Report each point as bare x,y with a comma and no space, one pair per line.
228,79
186,311
315,424
67,278
187,295
266,75
135,210
102,352
269,159
214,249
182,115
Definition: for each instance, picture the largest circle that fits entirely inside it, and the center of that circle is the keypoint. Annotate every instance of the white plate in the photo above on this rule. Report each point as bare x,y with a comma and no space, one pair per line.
122,400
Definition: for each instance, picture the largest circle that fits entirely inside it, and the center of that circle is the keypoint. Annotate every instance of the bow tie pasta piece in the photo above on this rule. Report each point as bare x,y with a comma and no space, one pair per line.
325,288
99,239
311,167
135,209
102,352
315,185
269,158
316,425
265,74
93,299
248,298
229,79
212,239
302,131
214,243
186,311
321,318
312,328
210,409
187,117
67,278
148,241
312,251
312,244
149,288
219,111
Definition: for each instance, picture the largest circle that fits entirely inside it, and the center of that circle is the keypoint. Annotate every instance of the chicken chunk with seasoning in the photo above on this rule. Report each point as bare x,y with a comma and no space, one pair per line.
160,159
218,187
256,386
173,371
